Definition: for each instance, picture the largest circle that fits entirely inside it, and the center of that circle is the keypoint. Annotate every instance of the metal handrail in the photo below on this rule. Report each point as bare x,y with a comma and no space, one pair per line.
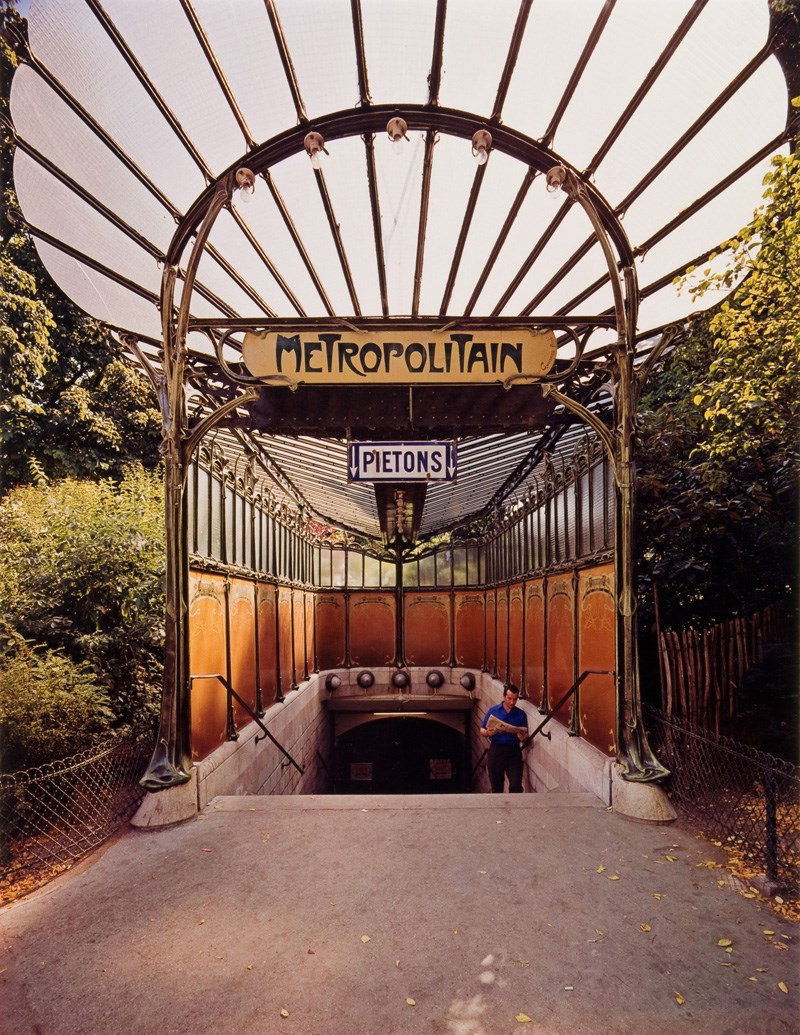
574,729
232,731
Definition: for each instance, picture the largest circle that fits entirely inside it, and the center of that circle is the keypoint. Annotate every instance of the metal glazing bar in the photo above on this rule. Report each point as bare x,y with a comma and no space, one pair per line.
675,41
361,56
375,205
289,223
565,267
238,279
511,58
130,58
474,193
575,78
427,163
534,254
257,247
435,78
77,109
216,68
513,212
402,323
319,176
93,264
286,60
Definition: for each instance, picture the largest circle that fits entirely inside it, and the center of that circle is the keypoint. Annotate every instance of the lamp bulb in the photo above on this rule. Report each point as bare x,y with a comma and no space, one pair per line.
315,160
482,156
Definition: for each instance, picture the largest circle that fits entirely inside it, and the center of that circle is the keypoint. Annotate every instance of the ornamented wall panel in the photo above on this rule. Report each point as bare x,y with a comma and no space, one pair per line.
243,646
309,608
596,637
469,631
502,632
560,642
515,635
372,628
534,640
427,628
267,655
330,630
491,631
298,631
285,638
206,657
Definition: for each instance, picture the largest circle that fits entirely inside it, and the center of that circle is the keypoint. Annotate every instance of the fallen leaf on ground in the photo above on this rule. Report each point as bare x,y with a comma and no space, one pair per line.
645,927
601,869
410,1001
769,934
206,849
749,894
729,949
779,945
365,938
569,988
311,952
679,999
724,943
671,858
657,895
752,979
761,970
481,871
522,1018
614,876
779,900
782,987
200,922
284,1013
397,963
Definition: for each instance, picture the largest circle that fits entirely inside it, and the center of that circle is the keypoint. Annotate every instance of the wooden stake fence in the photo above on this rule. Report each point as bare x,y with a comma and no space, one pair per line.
702,670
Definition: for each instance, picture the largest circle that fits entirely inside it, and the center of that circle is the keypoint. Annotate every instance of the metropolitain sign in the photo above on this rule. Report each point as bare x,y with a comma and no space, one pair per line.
400,357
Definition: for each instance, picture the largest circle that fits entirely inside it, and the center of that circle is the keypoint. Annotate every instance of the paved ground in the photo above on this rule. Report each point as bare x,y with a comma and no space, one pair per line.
397,914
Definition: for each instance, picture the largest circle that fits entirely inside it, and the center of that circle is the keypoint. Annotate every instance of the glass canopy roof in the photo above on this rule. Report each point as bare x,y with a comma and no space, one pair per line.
126,112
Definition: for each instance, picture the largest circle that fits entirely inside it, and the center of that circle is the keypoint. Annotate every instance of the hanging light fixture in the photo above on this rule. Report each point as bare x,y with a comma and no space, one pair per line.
245,184
556,178
397,130
314,143
481,146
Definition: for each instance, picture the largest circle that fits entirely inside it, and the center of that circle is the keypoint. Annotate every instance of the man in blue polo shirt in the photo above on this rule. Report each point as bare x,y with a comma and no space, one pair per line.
505,749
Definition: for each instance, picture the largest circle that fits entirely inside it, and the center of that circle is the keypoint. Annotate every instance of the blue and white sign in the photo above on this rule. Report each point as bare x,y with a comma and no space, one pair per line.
401,461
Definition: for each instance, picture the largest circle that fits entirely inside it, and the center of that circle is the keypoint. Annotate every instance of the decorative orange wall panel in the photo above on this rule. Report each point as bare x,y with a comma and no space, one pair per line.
299,632
469,629
309,606
243,646
534,640
427,628
502,632
491,631
330,630
372,628
266,642
206,657
285,638
560,642
515,635
596,636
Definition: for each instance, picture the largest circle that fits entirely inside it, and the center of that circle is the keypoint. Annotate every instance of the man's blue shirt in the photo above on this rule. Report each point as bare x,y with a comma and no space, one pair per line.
516,717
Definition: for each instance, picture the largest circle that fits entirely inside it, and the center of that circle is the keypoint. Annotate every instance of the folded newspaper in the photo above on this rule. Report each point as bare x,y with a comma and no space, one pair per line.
495,725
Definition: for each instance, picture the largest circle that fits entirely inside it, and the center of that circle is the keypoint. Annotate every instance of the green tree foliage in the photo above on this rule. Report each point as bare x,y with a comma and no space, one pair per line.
718,429
81,573
50,708
69,404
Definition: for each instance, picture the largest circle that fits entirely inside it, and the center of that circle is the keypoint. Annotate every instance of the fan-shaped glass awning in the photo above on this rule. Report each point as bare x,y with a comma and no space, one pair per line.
127,114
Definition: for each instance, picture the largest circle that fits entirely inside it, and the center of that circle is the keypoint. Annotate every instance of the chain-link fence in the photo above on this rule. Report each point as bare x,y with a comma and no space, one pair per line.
746,799
53,815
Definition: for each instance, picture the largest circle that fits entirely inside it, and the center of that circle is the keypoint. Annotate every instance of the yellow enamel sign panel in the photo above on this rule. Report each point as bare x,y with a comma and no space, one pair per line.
400,357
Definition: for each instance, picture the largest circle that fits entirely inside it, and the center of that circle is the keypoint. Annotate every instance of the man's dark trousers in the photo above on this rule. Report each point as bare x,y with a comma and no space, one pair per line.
505,759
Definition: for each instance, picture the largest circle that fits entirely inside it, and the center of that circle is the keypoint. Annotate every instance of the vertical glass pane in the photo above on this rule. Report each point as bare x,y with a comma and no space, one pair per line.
191,497
216,519
427,570
337,562
355,569
316,577
324,566
444,573
372,571
410,573
459,566
388,573
202,530
482,565
230,528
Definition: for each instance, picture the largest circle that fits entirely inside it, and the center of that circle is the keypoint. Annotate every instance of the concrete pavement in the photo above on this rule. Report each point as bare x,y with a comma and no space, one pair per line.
451,914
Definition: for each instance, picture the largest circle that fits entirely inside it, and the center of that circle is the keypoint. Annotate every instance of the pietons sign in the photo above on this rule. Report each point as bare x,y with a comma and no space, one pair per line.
401,357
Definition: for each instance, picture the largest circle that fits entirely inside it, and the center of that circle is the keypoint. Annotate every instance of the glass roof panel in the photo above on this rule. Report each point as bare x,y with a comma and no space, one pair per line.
399,174
482,31
398,40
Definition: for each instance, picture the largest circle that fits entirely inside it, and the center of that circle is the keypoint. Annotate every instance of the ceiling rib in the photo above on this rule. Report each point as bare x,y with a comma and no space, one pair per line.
219,75
134,65
511,58
274,271
588,49
286,60
533,255
336,233
361,55
462,236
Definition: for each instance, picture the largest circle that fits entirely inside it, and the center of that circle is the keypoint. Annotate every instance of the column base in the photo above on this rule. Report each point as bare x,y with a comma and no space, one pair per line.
643,801
172,805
